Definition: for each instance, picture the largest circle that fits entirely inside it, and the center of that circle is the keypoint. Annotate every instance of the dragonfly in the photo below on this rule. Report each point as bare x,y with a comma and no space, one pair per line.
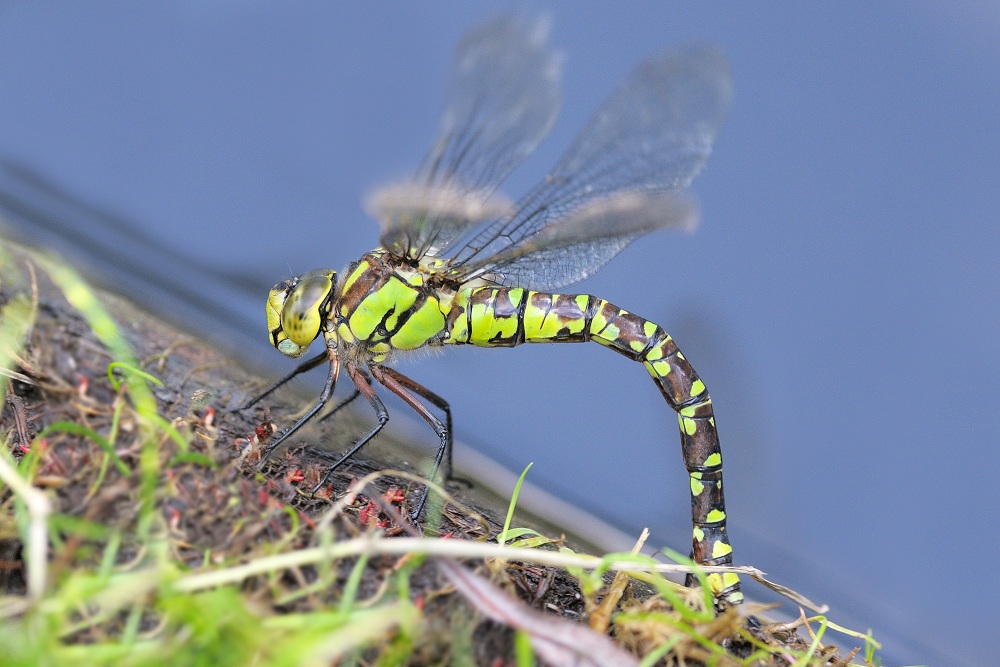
459,264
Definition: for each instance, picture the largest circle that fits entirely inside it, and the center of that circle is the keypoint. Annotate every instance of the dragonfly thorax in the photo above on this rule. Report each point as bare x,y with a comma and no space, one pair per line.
388,304
297,309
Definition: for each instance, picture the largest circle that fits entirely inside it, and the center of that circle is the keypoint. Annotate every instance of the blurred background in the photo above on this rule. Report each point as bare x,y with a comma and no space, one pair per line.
840,298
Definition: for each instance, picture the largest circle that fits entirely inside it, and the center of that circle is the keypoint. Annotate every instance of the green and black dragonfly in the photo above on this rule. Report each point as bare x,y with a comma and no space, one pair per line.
460,265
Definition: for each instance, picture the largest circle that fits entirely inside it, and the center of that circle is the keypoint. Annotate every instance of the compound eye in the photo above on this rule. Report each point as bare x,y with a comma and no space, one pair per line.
306,307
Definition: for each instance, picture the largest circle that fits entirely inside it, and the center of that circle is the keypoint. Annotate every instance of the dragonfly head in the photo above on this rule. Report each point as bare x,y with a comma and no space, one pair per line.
297,309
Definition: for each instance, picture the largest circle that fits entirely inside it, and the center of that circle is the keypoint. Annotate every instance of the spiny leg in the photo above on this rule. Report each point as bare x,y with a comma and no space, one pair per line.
439,403
400,385
331,381
343,404
304,367
364,386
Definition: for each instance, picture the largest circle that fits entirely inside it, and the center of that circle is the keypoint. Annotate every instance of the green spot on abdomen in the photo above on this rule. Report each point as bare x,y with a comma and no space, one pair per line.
607,336
540,323
657,369
721,549
487,325
715,516
697,486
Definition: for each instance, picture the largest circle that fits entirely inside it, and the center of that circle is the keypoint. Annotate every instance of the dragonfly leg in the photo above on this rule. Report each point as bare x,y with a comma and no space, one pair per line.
401,385
364,387
441,404
343,404
305,366
331,381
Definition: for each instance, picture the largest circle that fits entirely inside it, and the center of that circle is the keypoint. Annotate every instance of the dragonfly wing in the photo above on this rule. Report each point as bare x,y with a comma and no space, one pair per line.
654,134
503,96
419,221
575,246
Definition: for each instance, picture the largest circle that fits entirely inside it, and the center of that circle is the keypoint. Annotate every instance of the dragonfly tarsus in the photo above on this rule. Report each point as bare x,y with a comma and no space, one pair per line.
331,381
401,385
305,366
365,388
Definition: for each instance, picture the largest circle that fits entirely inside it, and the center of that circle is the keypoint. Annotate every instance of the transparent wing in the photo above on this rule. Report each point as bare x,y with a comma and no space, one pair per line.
503,96
575,246
651,137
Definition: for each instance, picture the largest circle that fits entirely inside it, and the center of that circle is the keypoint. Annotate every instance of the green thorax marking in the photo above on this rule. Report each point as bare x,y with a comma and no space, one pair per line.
384,304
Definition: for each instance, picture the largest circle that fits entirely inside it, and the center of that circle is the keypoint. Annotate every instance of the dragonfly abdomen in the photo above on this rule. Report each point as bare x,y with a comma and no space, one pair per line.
509,316
505,317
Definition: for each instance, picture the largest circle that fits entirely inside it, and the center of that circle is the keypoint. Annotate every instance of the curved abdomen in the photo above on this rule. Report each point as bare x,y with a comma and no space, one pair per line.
505,317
